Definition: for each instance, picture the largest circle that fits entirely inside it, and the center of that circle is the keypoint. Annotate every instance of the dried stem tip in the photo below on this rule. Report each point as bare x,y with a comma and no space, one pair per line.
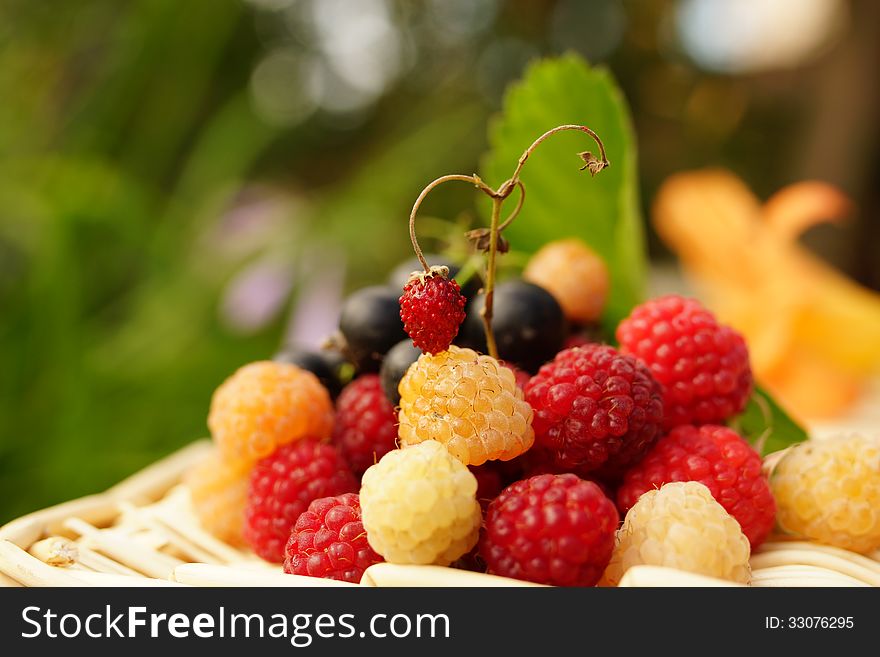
480,238
592,163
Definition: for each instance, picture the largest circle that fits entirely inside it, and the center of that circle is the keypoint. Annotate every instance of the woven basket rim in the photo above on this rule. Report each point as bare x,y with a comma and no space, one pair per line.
145,485
779,563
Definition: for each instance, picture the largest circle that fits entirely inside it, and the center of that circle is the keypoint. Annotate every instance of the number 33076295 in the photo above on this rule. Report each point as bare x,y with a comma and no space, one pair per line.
809,622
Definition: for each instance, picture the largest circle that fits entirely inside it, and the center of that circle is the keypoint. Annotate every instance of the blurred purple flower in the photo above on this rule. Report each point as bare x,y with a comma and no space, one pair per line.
315,315
256,295
257,217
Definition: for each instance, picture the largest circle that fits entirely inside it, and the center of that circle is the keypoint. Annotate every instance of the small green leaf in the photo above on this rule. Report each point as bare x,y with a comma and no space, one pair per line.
602,209
766,425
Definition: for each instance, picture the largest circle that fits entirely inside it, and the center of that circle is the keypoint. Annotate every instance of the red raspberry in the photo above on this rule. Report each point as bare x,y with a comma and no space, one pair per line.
329,541
702,365
282,486
432,309
366,423
595,410
550,529
716,457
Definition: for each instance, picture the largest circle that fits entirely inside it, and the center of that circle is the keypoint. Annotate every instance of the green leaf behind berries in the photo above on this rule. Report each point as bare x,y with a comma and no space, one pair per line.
561,202
766,425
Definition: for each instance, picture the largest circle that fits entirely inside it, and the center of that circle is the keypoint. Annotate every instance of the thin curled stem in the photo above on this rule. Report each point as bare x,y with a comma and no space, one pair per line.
522,197
498,197
569,126
474,180
486,313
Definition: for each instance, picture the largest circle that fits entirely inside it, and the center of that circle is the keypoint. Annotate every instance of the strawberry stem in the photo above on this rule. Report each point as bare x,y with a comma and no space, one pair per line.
519,204
474,180
514,179
591,162
490,277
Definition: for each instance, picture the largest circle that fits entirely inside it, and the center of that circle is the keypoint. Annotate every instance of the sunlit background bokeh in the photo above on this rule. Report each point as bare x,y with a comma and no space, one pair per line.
184,186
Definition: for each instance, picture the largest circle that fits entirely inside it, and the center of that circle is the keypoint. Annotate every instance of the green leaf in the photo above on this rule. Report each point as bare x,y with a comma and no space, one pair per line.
766,425
562,201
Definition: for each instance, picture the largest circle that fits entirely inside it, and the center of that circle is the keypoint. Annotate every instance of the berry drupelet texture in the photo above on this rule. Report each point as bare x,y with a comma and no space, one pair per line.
366,423
265,405
419,506
829,491
283,485
432,309
218,489
718,458
521,377
702,365
329,541
468,402
550,529
595,409
681,526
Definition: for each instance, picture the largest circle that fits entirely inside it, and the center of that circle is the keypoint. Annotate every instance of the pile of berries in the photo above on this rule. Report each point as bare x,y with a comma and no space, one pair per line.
562,460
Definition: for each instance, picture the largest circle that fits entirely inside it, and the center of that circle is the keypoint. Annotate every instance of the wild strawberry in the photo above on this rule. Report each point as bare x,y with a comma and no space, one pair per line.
432,309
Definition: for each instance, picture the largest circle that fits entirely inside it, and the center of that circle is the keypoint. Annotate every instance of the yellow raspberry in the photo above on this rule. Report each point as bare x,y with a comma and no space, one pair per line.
680,525
265,405
218,489
829,491
575,275
468,402
419,506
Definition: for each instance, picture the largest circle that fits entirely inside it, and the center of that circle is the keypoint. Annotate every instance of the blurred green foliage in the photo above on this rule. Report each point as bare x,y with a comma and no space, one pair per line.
766,425
603,211
130,134
113,148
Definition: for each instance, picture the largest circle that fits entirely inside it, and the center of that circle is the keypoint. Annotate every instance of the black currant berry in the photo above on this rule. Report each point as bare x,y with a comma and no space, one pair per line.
329,365
400,274
395,365
527,321
370,323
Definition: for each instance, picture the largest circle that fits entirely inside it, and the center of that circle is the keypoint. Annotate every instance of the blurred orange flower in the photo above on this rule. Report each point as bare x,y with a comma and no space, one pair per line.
813,334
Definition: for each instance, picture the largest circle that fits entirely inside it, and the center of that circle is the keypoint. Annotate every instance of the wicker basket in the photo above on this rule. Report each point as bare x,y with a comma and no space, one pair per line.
142,532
